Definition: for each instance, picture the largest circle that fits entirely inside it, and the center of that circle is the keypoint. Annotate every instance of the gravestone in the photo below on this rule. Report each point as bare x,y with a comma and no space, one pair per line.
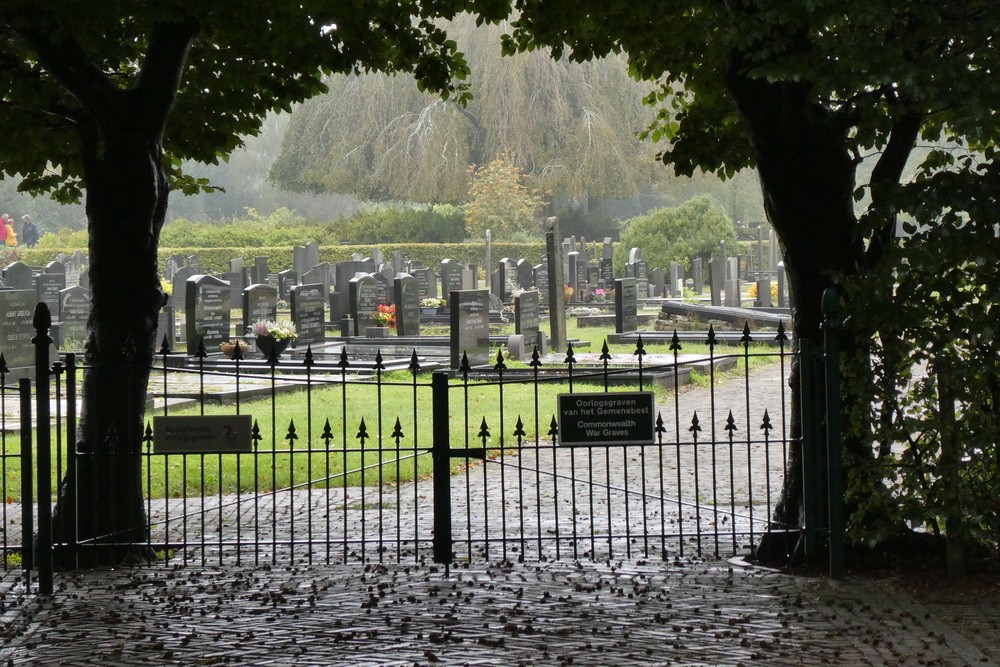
656,278
312,254
540,277
733,283
206,313
237,278
526,319
716,279
397,262
640,271
582,274
300,261
525,274
626,305
378,259
470,326
573,275
324,275
384,282
195,263
308,306
17,308
697,275
18,276
470,277
74,310
166,327
782,286
451,276
607,270
508,278
72,273
363,299
676,279
557,306
406,296
426,282
259,271
260,304
179,284
47,288
286,280
343,273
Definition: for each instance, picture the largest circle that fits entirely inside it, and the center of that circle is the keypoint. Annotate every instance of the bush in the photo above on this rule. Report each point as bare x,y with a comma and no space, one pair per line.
434,224
679,234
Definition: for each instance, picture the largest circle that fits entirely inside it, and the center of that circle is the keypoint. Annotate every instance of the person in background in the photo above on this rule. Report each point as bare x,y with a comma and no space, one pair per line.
3,228
11,234
29,235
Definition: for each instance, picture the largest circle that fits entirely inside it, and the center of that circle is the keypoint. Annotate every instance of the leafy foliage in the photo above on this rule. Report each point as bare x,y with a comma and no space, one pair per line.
679,234
499,200
388,224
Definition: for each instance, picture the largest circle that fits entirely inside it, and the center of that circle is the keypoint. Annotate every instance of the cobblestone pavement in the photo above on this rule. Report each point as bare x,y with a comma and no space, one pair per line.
557,613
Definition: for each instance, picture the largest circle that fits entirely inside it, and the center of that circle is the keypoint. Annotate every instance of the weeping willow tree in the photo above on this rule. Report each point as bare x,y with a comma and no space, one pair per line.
571,127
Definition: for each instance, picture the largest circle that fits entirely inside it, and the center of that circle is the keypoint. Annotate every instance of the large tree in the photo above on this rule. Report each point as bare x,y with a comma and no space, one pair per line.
806,93
571,126
108,98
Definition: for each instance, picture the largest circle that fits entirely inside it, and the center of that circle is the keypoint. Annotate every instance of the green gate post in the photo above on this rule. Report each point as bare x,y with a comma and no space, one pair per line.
810,511
27,483
441,456
41,321
832,324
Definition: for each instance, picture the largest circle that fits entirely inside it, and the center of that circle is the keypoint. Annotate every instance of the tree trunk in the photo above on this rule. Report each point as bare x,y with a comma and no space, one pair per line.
126,203
807,177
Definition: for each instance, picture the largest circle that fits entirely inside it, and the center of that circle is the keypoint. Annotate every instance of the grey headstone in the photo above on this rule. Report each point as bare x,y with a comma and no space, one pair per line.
657,282
300,262
451,276
407,298
697,275
74,311
427,282
626,305
206,313
260,303
17,308
47,288
526,319
363,299
470,326
179,285
260,271
515,347
312,253
18,276
308,306
286,280
384,283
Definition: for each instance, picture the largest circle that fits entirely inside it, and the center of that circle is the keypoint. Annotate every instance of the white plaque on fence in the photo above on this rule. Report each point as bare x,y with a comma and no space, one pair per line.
215,434
616,418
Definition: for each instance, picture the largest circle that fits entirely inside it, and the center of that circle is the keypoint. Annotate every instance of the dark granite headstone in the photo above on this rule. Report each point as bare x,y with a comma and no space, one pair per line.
426,282
237,278
16,310
259,271
407,299
641,274
697,275
541,280
384,282
470,326
74,310
716,279
286,280
525,274
308,306
206,313
656,278
299,260
259,303
526,320
607,248
47,288
179,285
363,298
166,327
508,278
626,305
19,275
451,276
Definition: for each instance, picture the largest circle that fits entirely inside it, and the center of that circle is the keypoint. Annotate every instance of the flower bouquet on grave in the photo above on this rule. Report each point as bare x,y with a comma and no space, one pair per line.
274,335
385,316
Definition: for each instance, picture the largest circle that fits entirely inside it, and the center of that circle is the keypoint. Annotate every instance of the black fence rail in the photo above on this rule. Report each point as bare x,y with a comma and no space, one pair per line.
350,462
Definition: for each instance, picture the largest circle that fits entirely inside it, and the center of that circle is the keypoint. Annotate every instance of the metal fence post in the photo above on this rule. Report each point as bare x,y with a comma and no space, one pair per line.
27,483
835,484
807,395
441,456
42,321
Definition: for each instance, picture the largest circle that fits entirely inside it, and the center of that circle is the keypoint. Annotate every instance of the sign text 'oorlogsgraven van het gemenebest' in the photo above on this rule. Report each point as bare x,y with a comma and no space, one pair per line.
619,418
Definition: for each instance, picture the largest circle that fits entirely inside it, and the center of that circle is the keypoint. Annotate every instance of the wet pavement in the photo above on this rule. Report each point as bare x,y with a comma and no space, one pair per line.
557,613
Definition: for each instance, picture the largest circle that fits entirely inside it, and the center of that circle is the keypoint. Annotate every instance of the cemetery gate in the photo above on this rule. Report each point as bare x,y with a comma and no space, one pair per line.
358,457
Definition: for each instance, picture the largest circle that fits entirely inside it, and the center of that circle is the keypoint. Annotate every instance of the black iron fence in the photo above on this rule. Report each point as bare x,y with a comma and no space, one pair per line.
372,459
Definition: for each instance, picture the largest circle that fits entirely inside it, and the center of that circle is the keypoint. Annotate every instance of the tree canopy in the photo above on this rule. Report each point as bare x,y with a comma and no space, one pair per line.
571,126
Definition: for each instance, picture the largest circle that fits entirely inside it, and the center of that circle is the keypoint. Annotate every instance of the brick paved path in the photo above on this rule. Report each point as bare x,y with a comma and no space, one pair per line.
633,613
